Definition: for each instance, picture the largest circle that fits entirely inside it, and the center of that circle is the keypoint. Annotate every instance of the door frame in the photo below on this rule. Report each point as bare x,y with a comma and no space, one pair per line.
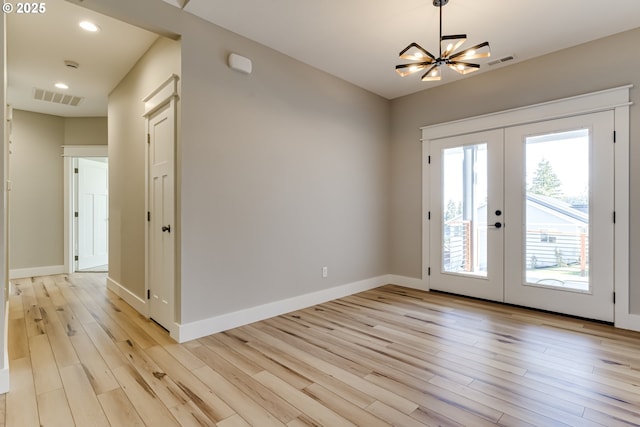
616,99
70,153
166,93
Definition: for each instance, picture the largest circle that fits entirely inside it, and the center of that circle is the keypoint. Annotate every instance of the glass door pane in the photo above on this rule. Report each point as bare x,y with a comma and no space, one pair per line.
557,210
465,222
464,243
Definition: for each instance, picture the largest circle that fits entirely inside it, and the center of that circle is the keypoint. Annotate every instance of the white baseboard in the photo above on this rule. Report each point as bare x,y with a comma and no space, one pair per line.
19,273
409,282
4,379
139,304
212,325
4,372
628,321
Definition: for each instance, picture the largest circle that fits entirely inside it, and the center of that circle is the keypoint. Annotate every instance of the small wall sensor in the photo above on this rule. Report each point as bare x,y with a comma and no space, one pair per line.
239,63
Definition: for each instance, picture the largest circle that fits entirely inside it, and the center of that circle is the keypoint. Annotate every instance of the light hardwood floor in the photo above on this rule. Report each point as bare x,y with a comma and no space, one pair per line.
392,356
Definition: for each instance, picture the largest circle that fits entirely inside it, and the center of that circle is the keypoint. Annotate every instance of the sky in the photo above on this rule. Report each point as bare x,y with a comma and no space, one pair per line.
567,152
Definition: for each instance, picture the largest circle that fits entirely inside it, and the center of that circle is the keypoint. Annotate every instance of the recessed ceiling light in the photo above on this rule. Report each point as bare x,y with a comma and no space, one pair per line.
89,26
61,86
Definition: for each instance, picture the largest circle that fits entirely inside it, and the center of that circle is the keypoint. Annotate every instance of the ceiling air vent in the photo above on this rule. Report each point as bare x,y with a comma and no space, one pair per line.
56,97
501,60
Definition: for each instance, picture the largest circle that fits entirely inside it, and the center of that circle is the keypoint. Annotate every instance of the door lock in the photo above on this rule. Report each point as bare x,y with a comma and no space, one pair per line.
166,228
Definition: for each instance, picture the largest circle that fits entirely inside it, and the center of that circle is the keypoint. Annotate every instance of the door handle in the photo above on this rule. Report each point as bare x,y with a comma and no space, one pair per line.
166,228
496,225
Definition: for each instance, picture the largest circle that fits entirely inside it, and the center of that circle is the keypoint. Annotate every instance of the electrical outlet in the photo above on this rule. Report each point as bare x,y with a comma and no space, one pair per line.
325,272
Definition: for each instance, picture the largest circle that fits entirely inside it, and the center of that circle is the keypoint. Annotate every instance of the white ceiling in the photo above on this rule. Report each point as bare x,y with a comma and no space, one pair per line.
38,44
359,40
356,40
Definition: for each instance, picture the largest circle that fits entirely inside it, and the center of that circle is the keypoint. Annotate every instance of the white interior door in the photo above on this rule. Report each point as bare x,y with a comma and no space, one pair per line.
93,213
526,215
161,234
560,215
466,215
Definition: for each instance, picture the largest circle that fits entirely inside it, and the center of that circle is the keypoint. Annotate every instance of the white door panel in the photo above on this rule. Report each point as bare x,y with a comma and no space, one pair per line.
93,209
559,244
466,191
161,128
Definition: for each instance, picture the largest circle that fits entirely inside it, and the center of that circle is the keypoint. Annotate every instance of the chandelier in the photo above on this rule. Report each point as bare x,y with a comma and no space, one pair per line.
457,61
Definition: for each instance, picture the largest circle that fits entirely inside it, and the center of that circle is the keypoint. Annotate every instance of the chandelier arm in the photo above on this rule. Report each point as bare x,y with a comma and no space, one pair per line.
465,64
429,72
415,64
418,47
464,52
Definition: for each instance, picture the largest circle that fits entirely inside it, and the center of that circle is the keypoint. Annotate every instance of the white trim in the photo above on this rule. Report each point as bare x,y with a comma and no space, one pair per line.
49,270
566,107
163,94
212,325
4,372
616,99
70,152
622,311
139,304
67,214
426,201
409,282
4,377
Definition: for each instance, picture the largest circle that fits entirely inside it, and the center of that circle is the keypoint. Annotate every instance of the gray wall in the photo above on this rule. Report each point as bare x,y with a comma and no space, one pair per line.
127,162
284,171
289,169
85,131
36,173
562,74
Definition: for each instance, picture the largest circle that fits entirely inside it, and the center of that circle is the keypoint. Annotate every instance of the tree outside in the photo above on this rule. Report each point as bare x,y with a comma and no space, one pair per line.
545,181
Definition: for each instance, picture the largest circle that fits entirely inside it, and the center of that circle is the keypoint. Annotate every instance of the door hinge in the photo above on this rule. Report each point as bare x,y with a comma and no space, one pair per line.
75,214
429,159
429,215
614,297
148,216
75,170
148,293
148,138
75,258
429,271
614,217
614,136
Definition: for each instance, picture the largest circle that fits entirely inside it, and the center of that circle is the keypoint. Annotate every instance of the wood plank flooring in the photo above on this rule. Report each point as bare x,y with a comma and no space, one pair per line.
81,356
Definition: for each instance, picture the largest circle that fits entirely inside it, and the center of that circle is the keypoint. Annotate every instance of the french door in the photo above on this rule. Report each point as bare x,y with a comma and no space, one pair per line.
524,215
467,190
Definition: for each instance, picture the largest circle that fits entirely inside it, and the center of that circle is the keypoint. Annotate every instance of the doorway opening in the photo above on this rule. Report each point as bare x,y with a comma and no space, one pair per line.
86,208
